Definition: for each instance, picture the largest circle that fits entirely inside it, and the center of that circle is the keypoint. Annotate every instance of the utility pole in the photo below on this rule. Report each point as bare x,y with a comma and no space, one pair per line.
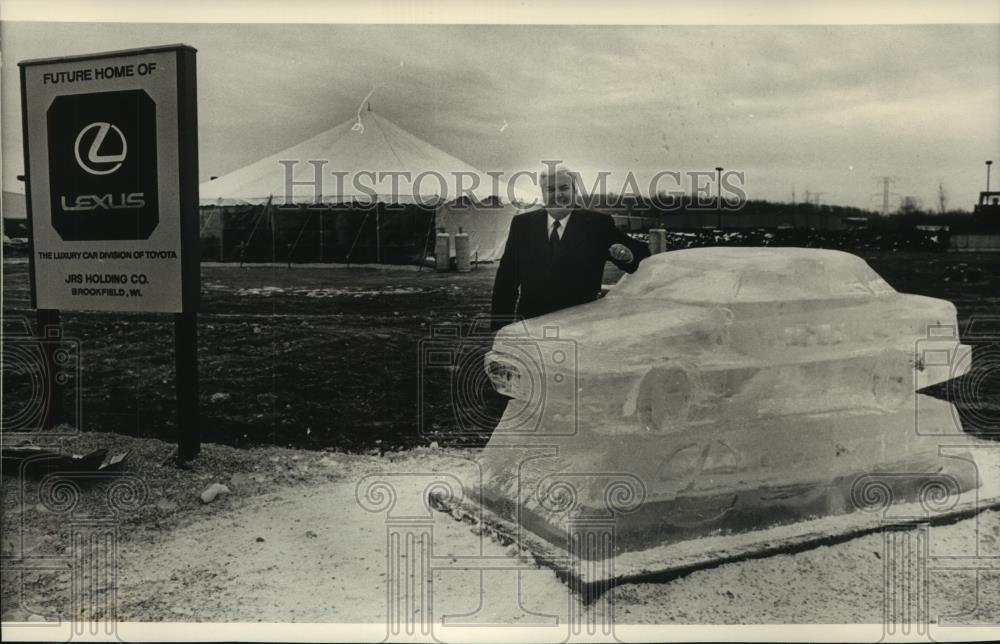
816,196
886,182
942,198
988,164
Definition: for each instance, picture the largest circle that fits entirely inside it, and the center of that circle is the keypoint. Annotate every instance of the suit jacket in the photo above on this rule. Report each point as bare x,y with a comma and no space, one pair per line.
530,282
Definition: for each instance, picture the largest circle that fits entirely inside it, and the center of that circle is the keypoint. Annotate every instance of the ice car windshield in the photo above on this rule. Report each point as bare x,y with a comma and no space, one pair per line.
717,275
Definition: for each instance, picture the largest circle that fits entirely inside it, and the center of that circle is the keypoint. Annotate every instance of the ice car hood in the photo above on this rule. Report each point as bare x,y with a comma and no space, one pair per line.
684,303
749,276
690,303
621,331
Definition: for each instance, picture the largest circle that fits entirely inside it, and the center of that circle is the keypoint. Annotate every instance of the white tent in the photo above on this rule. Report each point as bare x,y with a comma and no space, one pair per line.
487,229
13,205
15,216
360,160
371,159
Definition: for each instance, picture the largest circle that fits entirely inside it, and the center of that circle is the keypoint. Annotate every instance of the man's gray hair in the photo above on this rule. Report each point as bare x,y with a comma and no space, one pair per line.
560,169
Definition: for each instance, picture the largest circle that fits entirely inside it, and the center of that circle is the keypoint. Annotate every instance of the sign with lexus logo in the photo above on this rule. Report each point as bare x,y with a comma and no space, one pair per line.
101,187
112,179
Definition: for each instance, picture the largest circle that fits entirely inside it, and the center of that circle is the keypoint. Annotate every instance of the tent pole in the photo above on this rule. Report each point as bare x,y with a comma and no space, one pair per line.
427,238
222,235
259,218
378,238
361,229
302,229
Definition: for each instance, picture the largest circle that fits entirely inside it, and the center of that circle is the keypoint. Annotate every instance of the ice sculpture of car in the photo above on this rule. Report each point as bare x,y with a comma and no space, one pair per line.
722,391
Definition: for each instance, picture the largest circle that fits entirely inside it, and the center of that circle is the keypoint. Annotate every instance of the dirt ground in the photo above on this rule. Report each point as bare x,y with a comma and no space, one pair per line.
309,383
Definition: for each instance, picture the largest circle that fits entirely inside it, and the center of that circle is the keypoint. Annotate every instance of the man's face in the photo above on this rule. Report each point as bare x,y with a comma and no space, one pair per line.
557,193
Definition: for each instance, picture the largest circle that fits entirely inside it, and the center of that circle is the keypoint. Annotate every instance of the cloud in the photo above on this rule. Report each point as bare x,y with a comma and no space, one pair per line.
786,104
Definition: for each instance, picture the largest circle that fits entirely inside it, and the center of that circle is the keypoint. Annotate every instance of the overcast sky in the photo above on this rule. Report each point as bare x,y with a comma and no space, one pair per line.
824,109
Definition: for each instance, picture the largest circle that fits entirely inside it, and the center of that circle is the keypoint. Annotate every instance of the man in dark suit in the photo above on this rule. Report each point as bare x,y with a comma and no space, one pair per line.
555,256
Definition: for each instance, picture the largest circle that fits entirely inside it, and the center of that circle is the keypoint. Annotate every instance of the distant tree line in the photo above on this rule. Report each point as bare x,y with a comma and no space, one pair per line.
909,214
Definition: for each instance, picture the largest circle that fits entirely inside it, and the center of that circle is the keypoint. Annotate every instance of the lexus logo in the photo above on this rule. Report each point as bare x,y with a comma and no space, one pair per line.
106,188
95,162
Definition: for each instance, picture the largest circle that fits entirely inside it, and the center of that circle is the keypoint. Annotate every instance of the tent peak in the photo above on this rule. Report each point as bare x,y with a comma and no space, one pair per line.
365,155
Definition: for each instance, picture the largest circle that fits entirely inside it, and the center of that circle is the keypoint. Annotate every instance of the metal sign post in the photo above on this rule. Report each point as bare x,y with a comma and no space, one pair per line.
111,174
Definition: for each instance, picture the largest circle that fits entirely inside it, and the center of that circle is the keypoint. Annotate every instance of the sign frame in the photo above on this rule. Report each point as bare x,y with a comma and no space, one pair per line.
186,319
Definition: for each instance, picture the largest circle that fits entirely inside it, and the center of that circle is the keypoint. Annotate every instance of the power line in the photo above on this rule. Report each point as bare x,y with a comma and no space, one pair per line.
886,181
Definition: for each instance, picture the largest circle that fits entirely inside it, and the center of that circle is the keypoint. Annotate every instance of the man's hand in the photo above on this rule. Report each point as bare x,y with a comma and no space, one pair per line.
621,253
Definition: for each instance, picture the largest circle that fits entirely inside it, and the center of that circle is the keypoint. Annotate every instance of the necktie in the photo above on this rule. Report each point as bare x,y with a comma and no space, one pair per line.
554,238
